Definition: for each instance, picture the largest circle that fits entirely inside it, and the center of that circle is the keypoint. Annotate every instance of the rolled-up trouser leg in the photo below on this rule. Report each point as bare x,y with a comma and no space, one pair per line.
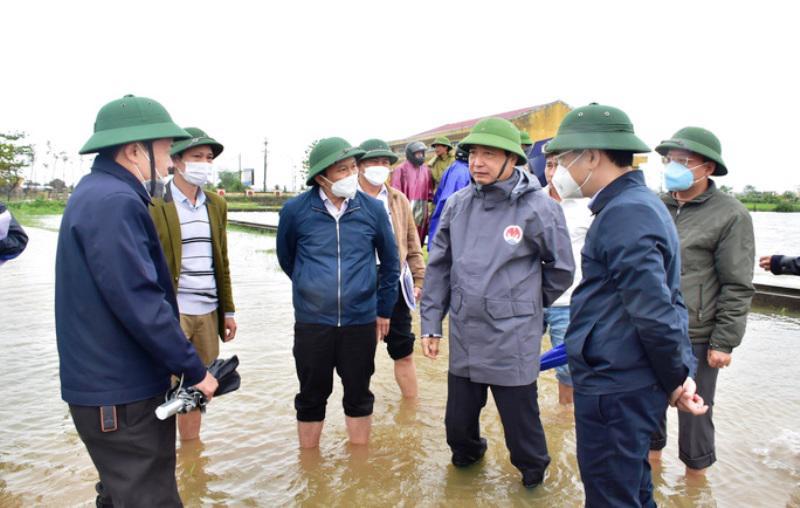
696,433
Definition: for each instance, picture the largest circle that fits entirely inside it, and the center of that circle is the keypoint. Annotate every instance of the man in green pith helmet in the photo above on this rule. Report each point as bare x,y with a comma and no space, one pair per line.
191,224
373,168
627,340
443,159
117,321
717,250
327,242
501,254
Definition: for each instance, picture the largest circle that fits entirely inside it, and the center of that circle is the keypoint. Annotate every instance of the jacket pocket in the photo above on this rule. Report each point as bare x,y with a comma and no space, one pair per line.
503,309
456,299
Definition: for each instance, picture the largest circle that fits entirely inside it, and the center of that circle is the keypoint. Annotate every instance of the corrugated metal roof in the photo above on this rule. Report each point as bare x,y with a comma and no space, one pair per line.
466,124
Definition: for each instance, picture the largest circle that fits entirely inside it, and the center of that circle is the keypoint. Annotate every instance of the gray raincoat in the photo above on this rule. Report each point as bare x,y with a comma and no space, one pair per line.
501,254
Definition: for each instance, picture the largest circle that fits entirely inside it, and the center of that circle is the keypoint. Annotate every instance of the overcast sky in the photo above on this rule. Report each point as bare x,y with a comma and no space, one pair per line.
296,71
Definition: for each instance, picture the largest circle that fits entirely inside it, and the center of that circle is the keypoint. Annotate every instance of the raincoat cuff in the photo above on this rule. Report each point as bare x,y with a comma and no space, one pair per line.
775,264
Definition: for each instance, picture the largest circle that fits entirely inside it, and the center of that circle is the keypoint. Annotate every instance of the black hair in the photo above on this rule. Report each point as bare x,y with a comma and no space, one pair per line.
620,158
110,152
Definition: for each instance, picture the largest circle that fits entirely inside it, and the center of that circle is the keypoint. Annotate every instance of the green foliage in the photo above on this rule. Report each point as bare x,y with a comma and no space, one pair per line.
15,156
231,182
303,172
785,207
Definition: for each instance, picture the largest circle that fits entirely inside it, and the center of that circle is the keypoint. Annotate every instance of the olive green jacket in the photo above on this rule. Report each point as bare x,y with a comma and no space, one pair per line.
165,218
439,166
717,258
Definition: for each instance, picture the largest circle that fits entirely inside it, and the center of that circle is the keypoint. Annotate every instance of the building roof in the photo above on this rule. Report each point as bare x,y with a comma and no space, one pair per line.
467,124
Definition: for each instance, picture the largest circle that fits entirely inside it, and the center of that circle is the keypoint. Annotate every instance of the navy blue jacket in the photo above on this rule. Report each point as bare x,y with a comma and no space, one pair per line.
332,264
629,326
117,327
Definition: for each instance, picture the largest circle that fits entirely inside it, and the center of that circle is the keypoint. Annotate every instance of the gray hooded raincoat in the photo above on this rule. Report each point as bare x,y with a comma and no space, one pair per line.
501,254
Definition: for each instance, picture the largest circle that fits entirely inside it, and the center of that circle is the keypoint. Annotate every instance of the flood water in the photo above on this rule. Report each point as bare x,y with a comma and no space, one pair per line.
248,454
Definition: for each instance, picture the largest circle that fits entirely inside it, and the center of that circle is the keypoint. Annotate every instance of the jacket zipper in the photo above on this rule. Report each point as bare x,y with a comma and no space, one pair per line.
338,272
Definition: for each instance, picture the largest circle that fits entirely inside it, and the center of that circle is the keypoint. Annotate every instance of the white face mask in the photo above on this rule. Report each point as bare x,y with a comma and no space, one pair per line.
197,173
160,180
565,184
346,187
376,175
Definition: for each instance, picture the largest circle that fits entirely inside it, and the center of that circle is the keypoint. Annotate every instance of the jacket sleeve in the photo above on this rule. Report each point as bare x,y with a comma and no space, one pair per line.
125,275
555,248
389,271
227,306
734,265
635,246
436,290
286,241
784,265
13,238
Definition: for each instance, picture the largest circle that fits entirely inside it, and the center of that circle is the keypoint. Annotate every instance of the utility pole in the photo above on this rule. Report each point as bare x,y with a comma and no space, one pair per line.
265,164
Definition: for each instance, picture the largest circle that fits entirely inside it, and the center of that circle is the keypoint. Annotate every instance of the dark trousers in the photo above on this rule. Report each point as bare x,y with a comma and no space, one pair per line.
613,436
695,433
400,340
318,350
519,412
136,462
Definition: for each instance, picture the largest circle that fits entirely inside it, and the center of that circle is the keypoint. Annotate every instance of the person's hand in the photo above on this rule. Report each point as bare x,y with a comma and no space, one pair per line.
686,399
718,359
230,329
208,386
430,347
764,262
688,387
381,328
417,294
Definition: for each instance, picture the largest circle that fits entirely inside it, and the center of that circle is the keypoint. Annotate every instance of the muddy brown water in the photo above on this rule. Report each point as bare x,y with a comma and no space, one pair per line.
248,454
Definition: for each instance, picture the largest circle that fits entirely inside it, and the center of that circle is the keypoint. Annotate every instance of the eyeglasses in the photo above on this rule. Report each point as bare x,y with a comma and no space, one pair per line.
684,161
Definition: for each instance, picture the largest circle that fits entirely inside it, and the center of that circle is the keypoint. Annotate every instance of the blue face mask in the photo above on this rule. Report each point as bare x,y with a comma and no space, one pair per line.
678,177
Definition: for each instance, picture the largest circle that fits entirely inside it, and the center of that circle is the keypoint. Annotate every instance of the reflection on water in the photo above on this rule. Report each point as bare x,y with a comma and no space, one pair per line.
248,454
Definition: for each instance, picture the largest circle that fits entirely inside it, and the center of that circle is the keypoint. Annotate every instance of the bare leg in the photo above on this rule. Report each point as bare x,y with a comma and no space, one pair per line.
654,456
695,473
564,394
189,425
358,429
309,433
405,373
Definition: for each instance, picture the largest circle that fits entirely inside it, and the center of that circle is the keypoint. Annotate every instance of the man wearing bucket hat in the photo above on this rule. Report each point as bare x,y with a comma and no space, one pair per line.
191,225
717,252
443,159
413,178
501,254
627,341
117,328
373,168
327,240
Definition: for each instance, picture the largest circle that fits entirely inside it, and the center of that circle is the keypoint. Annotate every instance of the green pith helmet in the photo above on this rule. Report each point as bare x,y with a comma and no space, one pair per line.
497,133
374,148
525,138
131,119
441,140
699,141
199,138
327,152
599,127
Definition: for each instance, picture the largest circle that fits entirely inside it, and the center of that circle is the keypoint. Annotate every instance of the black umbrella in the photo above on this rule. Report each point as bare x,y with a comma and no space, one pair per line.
182,400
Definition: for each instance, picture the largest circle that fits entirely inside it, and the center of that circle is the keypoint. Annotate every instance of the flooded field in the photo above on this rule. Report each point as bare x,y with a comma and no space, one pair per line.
248,454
